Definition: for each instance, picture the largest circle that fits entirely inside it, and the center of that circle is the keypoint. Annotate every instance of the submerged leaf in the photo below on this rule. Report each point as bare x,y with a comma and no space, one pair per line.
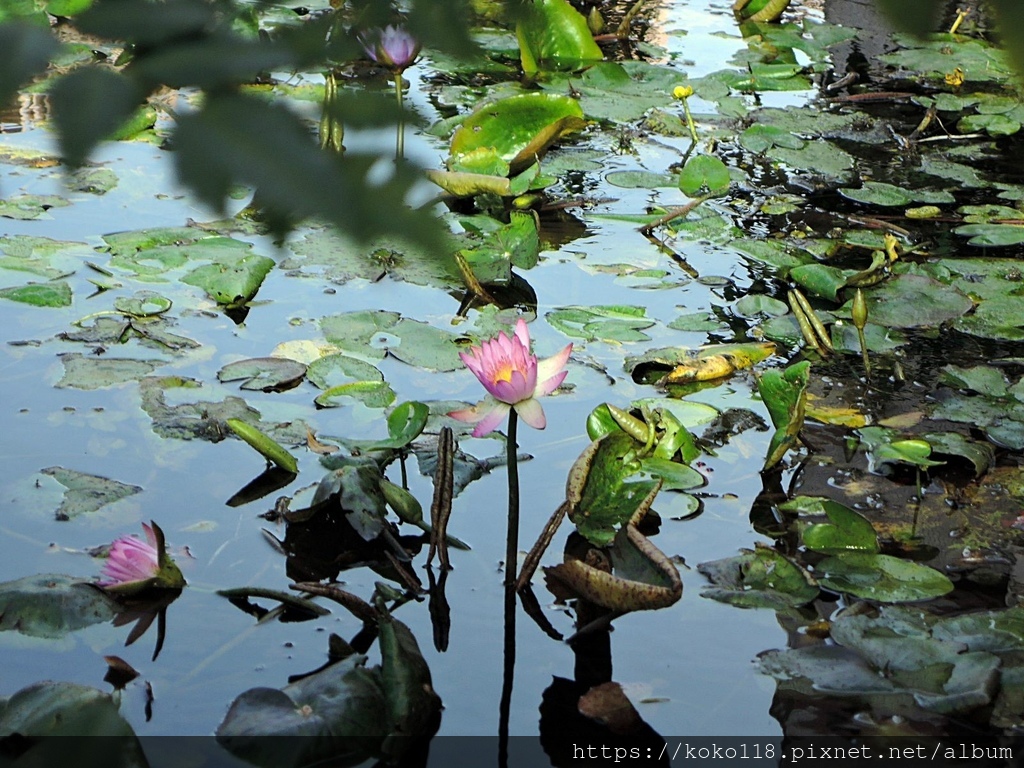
762,578
52,605
87,493
883,578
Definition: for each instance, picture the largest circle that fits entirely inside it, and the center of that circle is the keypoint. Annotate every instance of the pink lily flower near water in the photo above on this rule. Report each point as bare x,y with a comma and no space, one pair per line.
134,565
513,378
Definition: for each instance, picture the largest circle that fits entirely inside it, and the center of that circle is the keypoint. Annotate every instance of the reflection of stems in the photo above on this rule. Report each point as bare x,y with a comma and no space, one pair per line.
512,540
508,673
400,138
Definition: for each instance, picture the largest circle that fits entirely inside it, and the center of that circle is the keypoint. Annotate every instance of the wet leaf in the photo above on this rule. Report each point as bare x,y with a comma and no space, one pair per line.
845,417
885,446
337,369
49,709
640,179
520,128
704,174
674,475
265,445
608,498
847,531
980,455
264,374
762,578
42,256
231,284
784,393
86,493
755,304
880,193
29,207
554,36
40,294
620,92
883,578
915,301
704,364
425,346
614,323
372,394
52,605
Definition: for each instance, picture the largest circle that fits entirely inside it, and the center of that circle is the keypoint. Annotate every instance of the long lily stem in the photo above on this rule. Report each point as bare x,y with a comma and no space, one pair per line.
400,136
512,540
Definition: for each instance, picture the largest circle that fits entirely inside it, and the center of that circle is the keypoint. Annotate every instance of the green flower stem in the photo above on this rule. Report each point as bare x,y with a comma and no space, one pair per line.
400,137
512,540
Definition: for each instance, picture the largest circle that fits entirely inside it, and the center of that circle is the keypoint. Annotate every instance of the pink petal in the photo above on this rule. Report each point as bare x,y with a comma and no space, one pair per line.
490,422
550,372
523,333
511,391
531,412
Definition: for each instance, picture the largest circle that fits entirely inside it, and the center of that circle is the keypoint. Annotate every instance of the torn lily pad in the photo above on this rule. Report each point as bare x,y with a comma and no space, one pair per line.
87,493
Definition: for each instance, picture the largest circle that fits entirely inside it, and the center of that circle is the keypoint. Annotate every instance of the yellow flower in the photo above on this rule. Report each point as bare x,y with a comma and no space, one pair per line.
682,92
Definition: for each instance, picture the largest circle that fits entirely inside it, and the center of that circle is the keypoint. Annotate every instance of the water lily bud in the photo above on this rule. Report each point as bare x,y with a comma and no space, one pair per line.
860,310
595,21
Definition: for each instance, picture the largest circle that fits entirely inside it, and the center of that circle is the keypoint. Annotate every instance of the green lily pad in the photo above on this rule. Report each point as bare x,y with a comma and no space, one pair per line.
762,578
93,181
879,193
760,138
554,36
847,531
757,304
675,476
51,709
264,374
818,157
81,372
940,54
640,179
980,455
42,256
614,323
704,174
231,284
149,253
334,370
784,393
698,322
609,498
353,331
405,423
372,394
620,92
885,446
52,605
425,346
28,207
520,128
915,301
86,493
56,294
883,578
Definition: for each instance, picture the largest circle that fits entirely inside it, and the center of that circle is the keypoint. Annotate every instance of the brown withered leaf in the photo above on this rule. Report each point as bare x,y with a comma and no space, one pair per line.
316,446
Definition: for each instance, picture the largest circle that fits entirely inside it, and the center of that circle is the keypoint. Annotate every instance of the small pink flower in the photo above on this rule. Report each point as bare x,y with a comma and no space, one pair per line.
513,379
393,47
133,565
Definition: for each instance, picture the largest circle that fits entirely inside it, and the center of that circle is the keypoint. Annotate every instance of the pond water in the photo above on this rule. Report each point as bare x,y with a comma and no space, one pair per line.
688,669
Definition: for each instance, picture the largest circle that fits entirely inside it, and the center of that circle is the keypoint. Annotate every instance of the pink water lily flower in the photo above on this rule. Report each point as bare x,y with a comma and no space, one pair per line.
393,47
513,379
133,565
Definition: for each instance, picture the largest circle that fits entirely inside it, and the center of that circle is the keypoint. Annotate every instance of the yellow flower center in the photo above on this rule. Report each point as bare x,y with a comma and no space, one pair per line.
503,372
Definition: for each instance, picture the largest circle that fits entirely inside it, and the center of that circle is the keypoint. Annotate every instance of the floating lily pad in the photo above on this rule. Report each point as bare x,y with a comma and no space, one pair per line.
519,127
56,294
914,301
264,374
883,578
846,531
203,419
87,493
620,92
704,174
27,207
234,283
372,394
81,372
762,578
698,322
879,193
42,256
614,323
52,605
50,709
